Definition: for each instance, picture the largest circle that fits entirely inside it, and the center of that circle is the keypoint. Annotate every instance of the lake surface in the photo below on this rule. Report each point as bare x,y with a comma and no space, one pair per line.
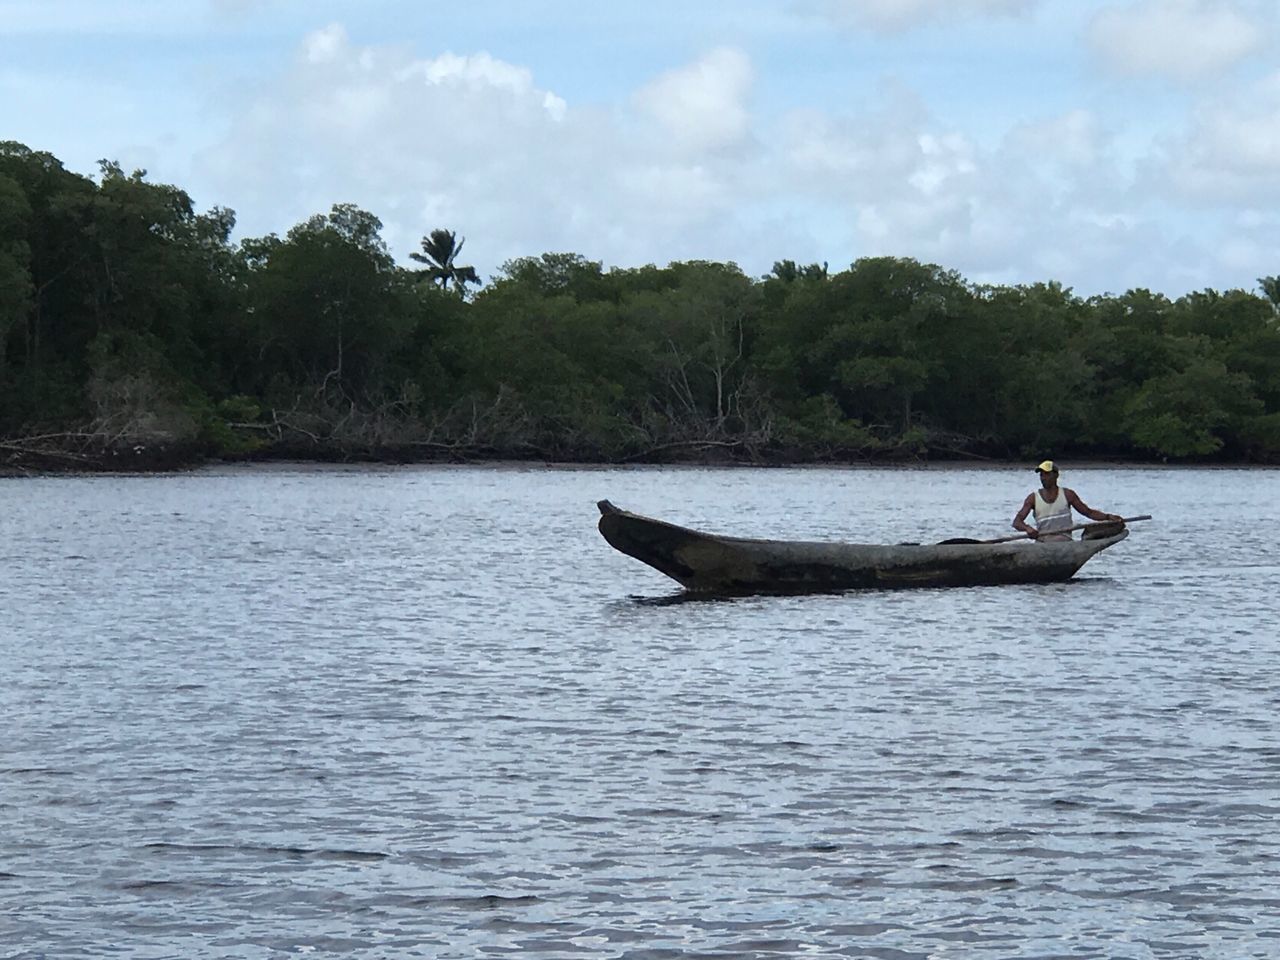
428,712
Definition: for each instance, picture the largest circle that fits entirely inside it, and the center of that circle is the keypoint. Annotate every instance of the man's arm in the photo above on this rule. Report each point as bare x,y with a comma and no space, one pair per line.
1020,521
1081,507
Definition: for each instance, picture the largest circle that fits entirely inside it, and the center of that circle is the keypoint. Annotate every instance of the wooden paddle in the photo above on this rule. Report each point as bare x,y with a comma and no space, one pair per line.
1027,536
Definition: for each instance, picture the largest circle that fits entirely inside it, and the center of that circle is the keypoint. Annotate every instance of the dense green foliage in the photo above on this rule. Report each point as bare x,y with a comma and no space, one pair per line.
127,318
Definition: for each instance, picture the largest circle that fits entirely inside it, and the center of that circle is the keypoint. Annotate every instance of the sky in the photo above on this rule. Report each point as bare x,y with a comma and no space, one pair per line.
1103,144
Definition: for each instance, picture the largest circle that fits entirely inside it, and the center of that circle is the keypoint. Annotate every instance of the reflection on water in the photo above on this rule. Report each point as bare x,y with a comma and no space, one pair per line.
428,711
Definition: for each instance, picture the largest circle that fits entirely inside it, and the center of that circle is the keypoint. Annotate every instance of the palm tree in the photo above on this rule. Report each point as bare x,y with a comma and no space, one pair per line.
1271,290
439,251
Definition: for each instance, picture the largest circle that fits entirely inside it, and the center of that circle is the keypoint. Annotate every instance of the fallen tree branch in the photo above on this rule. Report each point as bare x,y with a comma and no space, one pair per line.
686,445
24,450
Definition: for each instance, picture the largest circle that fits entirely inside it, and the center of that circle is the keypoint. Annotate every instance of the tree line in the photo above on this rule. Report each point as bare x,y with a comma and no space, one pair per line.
132,325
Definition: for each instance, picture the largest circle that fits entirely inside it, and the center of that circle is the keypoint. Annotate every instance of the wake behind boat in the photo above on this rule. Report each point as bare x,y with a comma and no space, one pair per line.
707,563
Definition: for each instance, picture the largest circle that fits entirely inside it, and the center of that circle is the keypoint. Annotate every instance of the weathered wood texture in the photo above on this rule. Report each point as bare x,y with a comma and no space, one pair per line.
706,563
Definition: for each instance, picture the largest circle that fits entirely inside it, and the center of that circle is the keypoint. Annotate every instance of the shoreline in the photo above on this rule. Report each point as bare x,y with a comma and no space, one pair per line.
89,451
164,462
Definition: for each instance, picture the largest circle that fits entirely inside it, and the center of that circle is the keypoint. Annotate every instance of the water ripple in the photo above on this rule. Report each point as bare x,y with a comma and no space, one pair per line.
428,712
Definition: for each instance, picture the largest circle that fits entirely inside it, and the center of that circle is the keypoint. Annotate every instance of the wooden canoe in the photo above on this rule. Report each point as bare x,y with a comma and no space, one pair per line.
706,563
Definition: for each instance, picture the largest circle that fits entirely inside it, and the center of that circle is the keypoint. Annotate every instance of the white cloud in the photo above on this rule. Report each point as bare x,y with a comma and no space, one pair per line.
702,106
325,45
472,143
1051,201
901,185
1184,39
1229,152
904,14
1071,140
682,168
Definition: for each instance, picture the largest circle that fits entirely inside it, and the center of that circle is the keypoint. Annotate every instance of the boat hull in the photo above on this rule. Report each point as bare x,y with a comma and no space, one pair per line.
706,563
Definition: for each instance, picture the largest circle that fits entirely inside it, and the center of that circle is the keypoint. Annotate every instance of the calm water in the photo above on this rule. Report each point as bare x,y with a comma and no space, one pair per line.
428,712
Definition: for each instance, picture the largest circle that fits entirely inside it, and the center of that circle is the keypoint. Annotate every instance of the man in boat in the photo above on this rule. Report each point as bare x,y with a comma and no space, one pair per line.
1052,506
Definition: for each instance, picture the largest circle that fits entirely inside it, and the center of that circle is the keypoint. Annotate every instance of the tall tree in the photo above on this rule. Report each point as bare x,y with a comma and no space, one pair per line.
58,234
700,333
15,262
440,250
328,301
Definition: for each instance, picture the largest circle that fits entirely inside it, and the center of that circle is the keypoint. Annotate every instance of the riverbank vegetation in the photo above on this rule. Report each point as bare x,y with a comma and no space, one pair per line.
135,333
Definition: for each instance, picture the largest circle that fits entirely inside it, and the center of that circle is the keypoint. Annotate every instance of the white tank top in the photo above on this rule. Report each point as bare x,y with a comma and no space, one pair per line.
1053,519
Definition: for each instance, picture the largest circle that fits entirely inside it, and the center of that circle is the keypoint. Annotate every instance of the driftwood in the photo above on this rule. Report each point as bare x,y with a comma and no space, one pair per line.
96,450
20,450
688,445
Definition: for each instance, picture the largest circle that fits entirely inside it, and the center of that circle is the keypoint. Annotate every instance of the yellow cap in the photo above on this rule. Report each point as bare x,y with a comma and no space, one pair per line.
1046,466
